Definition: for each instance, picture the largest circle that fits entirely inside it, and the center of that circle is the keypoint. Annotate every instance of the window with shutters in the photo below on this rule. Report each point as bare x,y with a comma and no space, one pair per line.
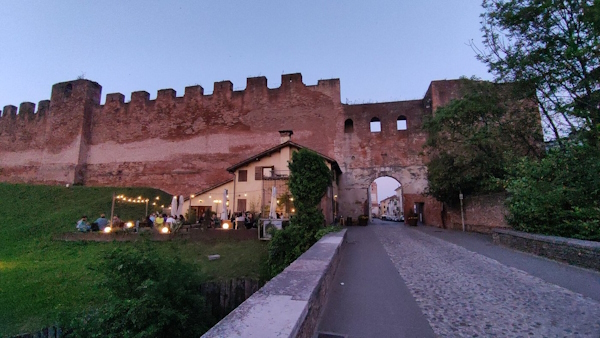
241,205
243,176
263,173
258,171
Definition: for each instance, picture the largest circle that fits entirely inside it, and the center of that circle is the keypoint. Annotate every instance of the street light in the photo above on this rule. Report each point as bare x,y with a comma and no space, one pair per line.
334,207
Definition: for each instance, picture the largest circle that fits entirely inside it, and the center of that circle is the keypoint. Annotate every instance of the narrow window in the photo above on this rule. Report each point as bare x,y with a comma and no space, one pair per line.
68,90
349,126
243,176
375,125
258,173
401,122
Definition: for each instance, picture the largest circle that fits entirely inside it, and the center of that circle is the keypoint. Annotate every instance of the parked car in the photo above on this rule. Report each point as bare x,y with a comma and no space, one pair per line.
393,218
401,218
383,217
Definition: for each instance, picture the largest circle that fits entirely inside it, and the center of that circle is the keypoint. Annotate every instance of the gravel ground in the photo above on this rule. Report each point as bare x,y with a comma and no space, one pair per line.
465,294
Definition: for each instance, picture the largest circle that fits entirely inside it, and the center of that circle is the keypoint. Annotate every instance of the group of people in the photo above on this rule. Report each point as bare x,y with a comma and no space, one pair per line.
98,225
159,221
173,222
243,218
162,220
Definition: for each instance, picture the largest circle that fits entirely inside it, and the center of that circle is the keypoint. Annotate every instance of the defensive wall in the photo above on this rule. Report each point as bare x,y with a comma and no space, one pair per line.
182,144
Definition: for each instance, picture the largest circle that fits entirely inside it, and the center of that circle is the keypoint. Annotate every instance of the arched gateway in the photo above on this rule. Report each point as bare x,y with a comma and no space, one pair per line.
182,144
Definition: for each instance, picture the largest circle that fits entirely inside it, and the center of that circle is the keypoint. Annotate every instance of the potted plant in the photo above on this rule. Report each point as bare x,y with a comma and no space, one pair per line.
412,218
363,220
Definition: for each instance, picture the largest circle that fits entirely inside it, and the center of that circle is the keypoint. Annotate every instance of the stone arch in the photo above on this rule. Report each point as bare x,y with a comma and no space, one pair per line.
413,179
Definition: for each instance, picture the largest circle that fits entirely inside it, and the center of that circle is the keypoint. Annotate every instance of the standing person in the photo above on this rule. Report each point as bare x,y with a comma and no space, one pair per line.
101,222
83,225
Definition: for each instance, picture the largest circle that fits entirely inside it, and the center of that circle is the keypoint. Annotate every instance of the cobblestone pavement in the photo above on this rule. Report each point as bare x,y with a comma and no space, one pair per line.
465,294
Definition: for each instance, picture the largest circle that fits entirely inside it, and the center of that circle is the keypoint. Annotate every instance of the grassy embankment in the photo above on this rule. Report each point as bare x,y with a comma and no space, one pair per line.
42,279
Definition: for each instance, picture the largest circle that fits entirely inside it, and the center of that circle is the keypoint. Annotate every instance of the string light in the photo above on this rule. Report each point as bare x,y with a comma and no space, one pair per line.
138,199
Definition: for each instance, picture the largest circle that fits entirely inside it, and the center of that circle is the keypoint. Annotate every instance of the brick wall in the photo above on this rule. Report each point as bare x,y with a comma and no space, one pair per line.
182,144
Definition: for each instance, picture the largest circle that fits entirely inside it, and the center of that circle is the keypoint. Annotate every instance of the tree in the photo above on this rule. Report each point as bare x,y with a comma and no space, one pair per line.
550,49
309,179
558,195
472,140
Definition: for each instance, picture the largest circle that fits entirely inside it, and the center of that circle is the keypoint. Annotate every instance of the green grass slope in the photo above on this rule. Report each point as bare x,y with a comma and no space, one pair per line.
42,279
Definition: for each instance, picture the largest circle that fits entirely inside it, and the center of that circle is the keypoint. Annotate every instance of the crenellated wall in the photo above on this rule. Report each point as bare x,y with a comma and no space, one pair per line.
182,144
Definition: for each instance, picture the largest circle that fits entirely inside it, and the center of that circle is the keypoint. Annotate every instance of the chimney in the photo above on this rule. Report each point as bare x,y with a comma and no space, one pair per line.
286,135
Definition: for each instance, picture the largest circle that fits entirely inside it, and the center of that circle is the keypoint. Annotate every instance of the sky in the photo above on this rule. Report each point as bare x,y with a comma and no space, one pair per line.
386,187
380,50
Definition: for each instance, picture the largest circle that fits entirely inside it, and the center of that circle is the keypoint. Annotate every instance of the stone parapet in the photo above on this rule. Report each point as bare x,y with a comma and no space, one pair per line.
290,304
573,251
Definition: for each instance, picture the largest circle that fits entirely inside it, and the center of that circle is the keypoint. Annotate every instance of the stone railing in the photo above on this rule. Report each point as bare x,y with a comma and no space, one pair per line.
573,251
290,304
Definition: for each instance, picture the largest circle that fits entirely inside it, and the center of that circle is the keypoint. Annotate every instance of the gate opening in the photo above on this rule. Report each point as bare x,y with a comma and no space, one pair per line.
385,201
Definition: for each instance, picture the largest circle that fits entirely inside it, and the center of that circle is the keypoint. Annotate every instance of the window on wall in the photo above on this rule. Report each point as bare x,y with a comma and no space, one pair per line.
243,176
375,125
401,123
261,173
349,126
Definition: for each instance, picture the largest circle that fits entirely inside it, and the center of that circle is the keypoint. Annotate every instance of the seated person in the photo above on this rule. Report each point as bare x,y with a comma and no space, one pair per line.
100,223
170,221
83,225
159,221
240,220
149,221
116,222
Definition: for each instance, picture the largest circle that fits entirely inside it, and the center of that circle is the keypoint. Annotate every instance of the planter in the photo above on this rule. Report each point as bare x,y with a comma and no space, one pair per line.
363,220
412,220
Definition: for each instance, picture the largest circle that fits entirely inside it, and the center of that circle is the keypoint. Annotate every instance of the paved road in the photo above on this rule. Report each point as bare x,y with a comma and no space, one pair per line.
397,281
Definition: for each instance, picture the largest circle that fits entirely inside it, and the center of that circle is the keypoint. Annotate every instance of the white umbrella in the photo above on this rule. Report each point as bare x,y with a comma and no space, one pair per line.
180,206
224,212
272,209
174,206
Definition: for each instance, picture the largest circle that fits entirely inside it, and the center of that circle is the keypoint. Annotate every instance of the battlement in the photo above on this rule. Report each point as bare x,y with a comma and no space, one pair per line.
224,90
26,110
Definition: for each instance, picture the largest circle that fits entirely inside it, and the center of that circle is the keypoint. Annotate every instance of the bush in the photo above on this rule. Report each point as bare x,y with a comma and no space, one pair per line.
559,195
150,296
327,230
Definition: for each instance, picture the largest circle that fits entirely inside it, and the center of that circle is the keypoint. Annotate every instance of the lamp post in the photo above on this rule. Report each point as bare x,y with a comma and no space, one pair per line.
335,208
112,208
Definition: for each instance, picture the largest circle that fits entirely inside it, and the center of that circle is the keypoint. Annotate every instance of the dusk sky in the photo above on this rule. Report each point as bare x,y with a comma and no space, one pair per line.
380,50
